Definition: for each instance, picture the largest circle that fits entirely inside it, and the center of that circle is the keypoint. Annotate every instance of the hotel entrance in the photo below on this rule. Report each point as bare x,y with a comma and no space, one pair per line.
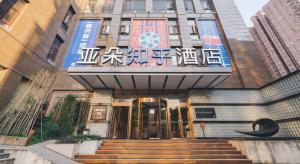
150,118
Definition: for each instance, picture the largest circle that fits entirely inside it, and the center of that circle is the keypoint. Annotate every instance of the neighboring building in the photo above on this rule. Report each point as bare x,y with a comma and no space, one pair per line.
277,33
33,36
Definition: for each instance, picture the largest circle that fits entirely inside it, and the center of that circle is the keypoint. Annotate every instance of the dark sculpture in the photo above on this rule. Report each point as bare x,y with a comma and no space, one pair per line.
267,128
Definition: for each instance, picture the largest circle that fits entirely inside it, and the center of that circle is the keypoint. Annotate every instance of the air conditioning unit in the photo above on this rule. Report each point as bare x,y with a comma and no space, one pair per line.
173,30
105,30
194,30
124,30
170,6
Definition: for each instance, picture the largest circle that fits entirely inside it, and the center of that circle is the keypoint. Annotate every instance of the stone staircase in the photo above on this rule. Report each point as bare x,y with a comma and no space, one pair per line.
4,158
165,151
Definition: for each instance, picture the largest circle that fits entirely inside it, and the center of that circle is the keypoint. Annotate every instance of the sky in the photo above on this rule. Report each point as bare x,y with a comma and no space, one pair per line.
248,8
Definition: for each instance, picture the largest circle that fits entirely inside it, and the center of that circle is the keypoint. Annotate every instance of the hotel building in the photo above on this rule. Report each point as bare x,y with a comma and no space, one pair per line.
172,69
146,69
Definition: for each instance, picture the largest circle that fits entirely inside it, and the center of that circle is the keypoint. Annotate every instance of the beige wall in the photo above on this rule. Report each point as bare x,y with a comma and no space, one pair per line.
24,44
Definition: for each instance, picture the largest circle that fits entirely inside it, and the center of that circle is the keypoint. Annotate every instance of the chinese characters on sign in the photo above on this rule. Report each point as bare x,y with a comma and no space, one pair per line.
186,56
89,56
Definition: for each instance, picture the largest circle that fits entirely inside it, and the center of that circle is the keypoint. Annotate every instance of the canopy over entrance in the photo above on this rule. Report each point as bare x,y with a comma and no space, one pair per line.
150,78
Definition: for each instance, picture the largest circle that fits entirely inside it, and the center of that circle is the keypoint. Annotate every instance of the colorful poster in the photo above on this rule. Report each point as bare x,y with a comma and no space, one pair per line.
211,36
146,35
84,37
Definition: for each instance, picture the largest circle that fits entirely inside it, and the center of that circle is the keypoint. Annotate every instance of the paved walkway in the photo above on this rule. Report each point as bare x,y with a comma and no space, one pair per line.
49,154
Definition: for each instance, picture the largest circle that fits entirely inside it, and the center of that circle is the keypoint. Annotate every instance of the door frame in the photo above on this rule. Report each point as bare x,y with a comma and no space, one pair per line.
168,119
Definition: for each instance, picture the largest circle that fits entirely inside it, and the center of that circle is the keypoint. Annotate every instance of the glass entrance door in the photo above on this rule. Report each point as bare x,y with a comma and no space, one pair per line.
149,118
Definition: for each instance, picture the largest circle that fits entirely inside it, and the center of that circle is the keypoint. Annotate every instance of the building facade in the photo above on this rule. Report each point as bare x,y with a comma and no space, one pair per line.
277,34
33,36
171,69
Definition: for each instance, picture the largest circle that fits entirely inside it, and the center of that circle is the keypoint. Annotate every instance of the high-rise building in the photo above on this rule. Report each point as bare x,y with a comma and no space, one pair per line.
33,36
277,34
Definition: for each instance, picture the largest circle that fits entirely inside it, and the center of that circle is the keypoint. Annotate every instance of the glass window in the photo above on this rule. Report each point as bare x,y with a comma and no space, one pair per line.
124,32
189,6
5,6
173,29
193,29
206,4
167,6
105,29
108,6
134,6
91,6
9,11
68,18
54,49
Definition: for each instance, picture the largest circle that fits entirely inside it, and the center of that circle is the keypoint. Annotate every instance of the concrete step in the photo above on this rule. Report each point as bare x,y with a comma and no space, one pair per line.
167,144
7,161
175,156
164,152
4,155
169,161
1,150
165,141
166,148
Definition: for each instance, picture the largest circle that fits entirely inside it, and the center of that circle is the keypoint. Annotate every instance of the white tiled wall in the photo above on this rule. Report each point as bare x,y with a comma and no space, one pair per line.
249,105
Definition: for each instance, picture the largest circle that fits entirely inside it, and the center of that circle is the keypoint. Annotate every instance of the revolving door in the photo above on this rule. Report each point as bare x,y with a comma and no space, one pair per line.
151,118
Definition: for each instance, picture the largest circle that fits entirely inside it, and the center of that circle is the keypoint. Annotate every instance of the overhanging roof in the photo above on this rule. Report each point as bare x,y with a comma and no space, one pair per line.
153,78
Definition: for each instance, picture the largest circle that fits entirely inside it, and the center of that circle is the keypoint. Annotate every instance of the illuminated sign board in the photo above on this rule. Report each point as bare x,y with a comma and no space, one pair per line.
184,56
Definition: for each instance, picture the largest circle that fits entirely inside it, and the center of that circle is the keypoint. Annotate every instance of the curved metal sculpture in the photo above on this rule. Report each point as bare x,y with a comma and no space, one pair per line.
267,128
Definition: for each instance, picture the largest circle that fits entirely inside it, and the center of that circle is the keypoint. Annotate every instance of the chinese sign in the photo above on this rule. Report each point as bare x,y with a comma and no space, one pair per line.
85,36
183,56
212,40
148,39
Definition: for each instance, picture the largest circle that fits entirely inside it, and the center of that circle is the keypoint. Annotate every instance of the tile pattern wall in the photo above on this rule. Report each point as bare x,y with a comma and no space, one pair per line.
236,113
289,129
226,96
102,97
282,88
285,109
213,130
279,101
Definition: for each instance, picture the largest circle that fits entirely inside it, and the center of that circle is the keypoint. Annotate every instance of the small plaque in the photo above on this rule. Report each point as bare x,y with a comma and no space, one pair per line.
205,113
99,112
